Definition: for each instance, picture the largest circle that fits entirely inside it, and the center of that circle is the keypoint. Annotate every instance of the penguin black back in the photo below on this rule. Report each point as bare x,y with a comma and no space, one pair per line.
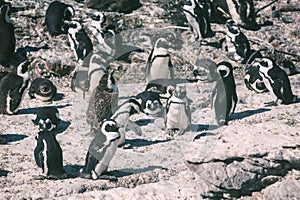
7,36
42,89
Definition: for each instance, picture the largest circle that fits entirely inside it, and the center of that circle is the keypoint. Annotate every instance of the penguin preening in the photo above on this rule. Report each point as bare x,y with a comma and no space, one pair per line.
48,156
101,102
57,14
276,80
47,118
197,15
101,150
7,36
42,89
159,62
80,42
12,87
178,114
224,97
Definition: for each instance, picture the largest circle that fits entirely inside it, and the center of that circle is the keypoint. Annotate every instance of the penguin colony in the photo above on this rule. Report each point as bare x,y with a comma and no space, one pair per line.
108,120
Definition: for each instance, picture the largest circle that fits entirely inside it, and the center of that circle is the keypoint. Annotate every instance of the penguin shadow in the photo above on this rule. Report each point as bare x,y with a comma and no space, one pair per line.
62,126
8,138
203,134
58,97
132,143
3,172
248,113
144,122
127,171
202,127
72,170
26,111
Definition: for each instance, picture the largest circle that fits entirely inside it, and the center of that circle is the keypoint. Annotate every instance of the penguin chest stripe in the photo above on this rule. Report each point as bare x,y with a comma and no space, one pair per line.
45,170
8,102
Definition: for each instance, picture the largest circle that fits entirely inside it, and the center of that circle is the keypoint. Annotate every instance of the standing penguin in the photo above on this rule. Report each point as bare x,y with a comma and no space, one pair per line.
12,87
47,118
48,156
80,42
56,15
7,36
224,97
101,150
178,114
159,62
197,16
276,80
237,43
100,104
42,89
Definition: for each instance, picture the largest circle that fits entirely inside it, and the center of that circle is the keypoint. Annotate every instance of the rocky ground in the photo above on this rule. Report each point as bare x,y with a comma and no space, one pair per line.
256,157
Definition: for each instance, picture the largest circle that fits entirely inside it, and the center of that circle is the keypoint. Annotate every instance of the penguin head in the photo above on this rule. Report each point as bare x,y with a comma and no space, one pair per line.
161,43
22,70
135,106
5,12
99,18
73,27
69,13
47,118
267,63
254,82
110,129
111,82
225,69
180,91
232,27
150,102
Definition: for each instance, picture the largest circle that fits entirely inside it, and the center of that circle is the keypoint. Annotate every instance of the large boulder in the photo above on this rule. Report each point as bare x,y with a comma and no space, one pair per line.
123,6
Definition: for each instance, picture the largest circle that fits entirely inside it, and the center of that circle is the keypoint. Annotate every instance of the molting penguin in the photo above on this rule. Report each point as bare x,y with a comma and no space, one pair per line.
101,150
47,118
56,15
100,104
197,16
178,114
12,87
80,42
42,89
48,156
276,80
237,43
224,97
7,36
159,62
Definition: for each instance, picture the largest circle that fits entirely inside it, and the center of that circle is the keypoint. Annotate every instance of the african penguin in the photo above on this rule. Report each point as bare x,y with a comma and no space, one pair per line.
7,36
12,87
79,40
197,15
101,150
205,69
122,115
237,43
47,118
42,89
276,80
100,103
178,114
224,97
159,62
48,156
56,15
150,103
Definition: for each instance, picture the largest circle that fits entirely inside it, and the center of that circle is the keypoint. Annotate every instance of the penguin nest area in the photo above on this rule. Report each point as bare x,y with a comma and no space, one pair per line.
151,159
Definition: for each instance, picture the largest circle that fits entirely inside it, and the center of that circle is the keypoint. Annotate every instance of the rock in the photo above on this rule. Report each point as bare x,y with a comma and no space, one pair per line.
123,6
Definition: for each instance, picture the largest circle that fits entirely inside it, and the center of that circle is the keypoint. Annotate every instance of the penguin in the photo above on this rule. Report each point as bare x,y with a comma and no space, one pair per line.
237,43
79,40
205,69
224,96
100,103
57,14
47,118
276,80
159,62
178,114
122,115
48,156
7,36
197,15
150,103
101,150
252,78
164,87
12,87
247,14
42,89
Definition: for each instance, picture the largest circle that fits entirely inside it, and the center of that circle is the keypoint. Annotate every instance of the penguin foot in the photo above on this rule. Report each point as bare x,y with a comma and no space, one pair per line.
57,177
271,103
